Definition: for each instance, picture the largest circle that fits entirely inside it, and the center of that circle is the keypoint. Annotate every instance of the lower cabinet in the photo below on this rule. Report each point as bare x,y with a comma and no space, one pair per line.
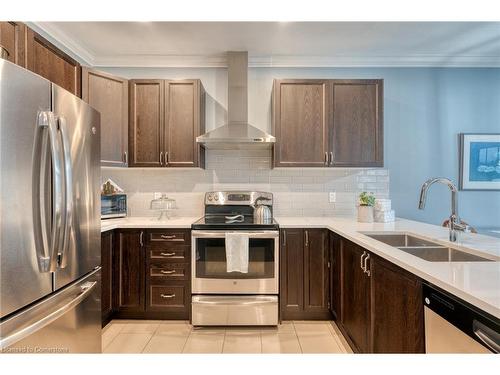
106,276
381,304
304,274
335,296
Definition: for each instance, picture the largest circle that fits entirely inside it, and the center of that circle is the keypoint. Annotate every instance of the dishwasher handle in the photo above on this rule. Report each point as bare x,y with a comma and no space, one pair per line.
488,337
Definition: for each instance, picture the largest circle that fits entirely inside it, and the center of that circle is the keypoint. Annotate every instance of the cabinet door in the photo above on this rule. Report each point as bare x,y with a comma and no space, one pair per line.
12,38
146,123
106,275
335,267
355,315
397,309
301,122
292,273
183,123
316,274
109,95
45,59
357,134
131,265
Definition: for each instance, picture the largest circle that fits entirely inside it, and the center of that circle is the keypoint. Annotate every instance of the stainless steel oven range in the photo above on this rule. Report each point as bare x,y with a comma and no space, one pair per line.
222,297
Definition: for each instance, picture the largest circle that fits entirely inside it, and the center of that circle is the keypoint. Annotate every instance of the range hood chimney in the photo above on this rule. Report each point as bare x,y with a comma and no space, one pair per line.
237,133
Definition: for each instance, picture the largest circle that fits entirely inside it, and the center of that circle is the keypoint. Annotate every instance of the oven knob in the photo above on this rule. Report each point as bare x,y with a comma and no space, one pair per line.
216,197
210,197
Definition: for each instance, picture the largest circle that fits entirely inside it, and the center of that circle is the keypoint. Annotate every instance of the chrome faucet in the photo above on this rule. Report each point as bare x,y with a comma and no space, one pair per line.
455,224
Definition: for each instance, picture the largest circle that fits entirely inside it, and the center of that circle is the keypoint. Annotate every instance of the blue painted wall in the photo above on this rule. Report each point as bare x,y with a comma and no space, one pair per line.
425,109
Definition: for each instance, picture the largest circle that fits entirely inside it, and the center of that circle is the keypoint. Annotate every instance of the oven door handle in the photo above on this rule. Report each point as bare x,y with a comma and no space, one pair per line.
222,234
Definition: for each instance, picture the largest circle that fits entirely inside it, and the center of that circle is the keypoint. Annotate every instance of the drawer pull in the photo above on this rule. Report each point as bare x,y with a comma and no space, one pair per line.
167,254
167,272
166,237
167,295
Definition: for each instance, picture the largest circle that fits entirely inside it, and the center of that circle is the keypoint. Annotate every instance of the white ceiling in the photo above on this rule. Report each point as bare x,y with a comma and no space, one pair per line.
280,43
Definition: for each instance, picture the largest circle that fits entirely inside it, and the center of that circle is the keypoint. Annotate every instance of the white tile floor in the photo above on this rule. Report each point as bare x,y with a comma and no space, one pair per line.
154,336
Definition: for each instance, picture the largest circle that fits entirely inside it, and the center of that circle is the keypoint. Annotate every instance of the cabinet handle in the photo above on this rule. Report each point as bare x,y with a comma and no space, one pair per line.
331,158
141,237
161,158
167,254
361,261
326,158
366,265
167,237
167,272
125,157
167,295
284,238
307,238
166,158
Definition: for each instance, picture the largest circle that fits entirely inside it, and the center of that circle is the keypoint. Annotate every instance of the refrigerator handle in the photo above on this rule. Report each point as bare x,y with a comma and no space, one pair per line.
85,290
47,247
68,193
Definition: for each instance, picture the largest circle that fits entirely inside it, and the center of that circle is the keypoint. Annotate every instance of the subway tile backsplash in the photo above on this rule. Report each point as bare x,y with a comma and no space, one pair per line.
297,191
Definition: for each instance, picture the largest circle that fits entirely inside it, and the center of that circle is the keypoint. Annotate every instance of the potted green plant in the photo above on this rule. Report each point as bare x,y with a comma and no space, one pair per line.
365,207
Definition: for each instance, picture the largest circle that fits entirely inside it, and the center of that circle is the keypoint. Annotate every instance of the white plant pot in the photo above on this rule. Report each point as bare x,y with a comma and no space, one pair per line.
365,214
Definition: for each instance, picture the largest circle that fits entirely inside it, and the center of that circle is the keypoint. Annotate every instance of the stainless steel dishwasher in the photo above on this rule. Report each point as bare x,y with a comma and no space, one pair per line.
454,326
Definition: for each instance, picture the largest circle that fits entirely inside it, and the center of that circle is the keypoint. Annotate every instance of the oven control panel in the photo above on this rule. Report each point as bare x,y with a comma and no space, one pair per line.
241,198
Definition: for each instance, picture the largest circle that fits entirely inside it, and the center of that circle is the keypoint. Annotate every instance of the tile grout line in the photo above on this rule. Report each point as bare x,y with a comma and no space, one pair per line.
114,338
154,332
298,340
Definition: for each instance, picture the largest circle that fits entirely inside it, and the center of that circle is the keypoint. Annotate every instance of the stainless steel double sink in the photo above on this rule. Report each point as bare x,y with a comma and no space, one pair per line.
424,249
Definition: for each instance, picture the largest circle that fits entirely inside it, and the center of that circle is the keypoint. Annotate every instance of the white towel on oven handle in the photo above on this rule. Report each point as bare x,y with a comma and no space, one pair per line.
237,252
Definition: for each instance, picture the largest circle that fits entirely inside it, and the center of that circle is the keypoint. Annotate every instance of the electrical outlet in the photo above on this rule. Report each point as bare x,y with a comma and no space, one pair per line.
157,195
332,197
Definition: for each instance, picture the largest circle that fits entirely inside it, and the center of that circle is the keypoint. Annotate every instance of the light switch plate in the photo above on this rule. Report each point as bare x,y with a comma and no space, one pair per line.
332,197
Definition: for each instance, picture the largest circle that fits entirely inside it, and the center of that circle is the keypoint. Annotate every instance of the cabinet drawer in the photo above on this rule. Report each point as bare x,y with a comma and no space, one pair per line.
169,271
168,296
170,254
169,236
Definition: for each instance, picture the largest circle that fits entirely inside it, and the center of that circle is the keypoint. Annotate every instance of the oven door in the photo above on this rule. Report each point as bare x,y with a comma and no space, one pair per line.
209,267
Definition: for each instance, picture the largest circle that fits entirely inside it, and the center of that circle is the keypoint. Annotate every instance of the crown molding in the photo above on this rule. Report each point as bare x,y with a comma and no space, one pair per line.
84,56
57,37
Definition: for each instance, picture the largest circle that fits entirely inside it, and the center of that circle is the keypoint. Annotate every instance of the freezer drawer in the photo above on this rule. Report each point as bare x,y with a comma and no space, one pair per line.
234,310
68,321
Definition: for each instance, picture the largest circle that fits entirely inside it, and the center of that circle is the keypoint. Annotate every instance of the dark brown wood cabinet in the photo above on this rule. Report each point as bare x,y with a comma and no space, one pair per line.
335,273
304,274
130,272
355,305
356,136
165,119
328,123
168,273
45,59
301,122
109,95
13,39
381,304
397,313
107,305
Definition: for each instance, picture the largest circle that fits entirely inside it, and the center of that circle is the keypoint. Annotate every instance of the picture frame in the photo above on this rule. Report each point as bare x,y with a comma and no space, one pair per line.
479,161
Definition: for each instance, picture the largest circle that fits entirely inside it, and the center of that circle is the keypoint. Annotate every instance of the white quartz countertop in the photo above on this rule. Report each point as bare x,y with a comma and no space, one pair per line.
475,282
146,222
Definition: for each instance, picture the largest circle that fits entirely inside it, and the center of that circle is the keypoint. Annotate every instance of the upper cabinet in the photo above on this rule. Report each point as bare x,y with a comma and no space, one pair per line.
13,39
165,119
43,58
328,123
301,123
357,138
109,95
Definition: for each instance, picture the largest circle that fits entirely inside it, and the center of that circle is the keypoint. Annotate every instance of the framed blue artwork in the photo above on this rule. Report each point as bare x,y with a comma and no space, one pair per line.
479,161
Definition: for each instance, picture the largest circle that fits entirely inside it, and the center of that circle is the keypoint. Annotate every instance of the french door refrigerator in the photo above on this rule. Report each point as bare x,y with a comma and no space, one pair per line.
49,217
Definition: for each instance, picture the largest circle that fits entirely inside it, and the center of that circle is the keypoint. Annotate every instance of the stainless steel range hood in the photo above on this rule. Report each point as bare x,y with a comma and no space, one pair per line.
237,133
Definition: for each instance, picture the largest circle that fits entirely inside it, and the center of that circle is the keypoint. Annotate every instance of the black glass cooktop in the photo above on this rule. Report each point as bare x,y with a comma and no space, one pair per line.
233,222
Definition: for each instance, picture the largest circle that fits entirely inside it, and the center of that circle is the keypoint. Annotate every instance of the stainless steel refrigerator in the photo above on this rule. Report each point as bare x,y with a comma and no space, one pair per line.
49,217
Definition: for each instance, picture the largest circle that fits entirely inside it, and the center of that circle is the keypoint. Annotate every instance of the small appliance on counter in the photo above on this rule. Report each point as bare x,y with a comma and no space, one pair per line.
113,206
164,205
